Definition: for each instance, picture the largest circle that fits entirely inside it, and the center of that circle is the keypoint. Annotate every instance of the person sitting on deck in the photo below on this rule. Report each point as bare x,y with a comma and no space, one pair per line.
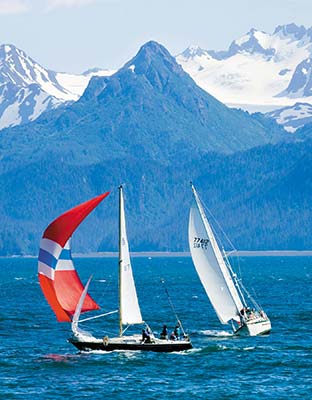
164,333
146,338
177,331
172,336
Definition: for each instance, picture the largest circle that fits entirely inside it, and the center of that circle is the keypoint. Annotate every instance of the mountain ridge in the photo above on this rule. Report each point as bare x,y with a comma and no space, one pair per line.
28,89
258,69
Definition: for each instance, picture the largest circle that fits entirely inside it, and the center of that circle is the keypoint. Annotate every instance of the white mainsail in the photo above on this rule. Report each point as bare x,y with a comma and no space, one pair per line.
210,265
129,305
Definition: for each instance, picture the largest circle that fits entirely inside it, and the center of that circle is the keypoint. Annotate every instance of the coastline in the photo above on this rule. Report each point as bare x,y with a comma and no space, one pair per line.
151,254
240,253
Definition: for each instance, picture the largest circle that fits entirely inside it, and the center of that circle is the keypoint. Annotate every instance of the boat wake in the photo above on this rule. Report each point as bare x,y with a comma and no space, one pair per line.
215,333
186,352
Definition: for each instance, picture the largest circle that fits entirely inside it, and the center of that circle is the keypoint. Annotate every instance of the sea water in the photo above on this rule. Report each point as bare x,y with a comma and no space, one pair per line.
37,361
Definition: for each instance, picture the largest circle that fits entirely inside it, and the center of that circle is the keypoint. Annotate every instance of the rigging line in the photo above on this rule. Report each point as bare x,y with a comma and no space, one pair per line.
126,328
254,302
255,299
219,226
108,283
98,316
226,237
236,280
142,323
172,306
149,328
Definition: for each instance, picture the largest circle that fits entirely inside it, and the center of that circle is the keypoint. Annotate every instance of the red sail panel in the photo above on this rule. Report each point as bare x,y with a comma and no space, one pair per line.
58,278
69,287
62,228
47,286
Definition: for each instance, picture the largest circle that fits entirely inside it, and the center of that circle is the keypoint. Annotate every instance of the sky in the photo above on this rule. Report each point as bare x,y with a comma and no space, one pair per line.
76,35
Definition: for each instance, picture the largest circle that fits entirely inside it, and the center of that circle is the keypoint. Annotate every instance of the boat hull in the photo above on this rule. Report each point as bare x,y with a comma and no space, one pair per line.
157,345
254,328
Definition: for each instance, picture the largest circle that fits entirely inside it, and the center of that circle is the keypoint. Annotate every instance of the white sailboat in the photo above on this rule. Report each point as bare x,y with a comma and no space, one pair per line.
222,287
129,310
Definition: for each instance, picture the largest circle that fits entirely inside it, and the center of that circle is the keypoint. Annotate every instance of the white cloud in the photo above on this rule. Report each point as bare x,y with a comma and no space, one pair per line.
13,6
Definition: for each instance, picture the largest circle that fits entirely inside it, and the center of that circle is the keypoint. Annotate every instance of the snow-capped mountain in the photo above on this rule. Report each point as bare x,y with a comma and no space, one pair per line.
21,104
301,81
27,89
258,70
292,117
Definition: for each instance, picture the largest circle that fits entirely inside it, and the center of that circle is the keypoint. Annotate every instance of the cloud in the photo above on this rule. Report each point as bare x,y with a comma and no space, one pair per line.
13,6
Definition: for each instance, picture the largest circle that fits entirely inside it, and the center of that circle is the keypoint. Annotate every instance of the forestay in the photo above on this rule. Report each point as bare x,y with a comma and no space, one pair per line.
210,265
130,309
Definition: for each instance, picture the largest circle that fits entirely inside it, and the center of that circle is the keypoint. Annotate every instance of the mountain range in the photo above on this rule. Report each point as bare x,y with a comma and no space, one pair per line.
27,89
121,113
150,126
259,72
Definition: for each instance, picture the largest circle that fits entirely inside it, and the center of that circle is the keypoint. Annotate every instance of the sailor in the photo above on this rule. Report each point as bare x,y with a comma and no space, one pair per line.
164,333
172,336
146,338
177,331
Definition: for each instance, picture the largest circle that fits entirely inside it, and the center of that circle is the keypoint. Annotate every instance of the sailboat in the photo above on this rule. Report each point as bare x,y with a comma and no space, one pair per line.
68,297
222,286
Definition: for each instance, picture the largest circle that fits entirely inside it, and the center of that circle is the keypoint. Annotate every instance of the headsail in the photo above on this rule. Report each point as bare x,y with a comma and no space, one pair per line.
210,265
58,278
74,325
129,305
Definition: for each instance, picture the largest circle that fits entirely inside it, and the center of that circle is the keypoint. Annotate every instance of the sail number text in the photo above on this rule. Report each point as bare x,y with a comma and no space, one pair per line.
200,243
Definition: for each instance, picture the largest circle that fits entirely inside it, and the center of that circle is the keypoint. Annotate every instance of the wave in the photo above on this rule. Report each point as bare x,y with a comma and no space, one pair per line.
249,348
187,352
215,333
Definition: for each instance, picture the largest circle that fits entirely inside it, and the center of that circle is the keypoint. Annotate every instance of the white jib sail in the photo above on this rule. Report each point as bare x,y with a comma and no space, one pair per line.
76,316
210,266
130,309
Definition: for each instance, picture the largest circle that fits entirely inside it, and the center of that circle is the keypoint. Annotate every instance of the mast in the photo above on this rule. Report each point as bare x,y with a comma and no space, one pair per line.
234,275
120,264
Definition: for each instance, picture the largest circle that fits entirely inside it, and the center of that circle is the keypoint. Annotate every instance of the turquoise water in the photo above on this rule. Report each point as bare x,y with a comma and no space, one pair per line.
36,359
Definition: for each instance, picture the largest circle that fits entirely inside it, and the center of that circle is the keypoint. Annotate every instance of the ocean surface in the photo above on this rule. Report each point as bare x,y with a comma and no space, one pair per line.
38,362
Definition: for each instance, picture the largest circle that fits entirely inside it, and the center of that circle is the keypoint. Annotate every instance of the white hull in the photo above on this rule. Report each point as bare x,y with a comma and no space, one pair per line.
254,327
